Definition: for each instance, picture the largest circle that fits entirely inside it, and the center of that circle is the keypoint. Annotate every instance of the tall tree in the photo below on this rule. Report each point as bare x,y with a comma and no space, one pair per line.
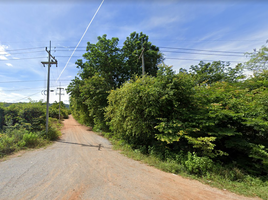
107,67
132,49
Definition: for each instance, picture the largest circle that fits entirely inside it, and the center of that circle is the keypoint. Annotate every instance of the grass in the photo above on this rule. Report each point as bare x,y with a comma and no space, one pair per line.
19,139
226,179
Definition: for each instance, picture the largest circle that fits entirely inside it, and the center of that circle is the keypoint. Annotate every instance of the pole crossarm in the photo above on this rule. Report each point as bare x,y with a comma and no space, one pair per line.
46,63
60,91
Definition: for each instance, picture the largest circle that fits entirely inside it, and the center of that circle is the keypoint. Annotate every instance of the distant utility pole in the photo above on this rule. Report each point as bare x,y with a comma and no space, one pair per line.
51,60
142,59
60,98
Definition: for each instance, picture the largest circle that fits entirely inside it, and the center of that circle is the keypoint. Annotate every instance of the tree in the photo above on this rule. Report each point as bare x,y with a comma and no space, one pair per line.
258,59
2,116
54,110
132,49
216,71
107,67
104,58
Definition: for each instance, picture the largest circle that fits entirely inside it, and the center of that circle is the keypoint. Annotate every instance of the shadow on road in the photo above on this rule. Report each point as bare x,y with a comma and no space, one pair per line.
86,145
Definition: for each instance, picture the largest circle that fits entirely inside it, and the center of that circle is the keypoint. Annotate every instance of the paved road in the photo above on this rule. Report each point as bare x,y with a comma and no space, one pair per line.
74,168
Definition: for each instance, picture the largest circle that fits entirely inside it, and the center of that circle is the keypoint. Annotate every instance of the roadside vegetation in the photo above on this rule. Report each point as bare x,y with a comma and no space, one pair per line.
208,122
23,125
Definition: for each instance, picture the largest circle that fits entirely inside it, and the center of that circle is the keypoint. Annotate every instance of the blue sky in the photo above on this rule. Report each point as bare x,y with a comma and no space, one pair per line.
175,26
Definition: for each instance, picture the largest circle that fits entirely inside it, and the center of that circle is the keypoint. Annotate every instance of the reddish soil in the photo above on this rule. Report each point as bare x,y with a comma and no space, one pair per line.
74,168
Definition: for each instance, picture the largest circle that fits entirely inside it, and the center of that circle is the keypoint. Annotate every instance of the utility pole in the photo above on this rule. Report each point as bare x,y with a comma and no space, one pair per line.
142,59
51,60
60,99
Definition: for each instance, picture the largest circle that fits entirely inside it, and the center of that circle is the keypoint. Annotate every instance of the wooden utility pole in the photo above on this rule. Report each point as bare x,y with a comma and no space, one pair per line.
60,99
51,60
142,59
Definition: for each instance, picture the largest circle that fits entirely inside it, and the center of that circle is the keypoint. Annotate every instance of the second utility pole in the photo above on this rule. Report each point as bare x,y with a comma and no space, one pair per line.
54,61
142,58
60,99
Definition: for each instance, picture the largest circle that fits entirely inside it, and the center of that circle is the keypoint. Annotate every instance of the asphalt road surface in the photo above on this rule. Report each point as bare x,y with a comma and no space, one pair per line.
74,168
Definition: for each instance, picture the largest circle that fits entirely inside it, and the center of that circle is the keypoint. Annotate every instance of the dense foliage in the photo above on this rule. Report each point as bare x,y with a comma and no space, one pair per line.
208,118
23,125
107,67
54,110
222,121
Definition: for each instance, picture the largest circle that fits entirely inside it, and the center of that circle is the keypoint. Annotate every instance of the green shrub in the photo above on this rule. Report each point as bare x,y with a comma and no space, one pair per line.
54,110
30,139
53,129
7,144
198,165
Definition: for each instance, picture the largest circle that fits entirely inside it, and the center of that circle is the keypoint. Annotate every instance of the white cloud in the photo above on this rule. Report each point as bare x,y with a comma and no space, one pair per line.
160,21
9,64
3,58
8,97
3,53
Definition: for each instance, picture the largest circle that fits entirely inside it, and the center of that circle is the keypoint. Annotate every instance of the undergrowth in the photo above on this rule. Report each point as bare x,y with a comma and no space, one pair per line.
19,138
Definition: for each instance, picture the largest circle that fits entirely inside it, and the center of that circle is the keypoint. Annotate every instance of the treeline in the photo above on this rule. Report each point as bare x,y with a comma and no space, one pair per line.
208,116
24,125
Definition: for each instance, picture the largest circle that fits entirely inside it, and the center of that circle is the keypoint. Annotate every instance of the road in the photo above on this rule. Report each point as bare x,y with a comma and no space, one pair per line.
74,168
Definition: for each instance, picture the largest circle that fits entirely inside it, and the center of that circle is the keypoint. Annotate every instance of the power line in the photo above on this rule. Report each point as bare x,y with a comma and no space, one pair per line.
202,50
22,49
23,52
81,39
210,54
201,60
30,81
22,58
177,48
22,89
27,96
68,50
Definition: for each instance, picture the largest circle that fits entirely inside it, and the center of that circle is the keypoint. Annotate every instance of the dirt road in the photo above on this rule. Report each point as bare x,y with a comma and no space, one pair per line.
74,168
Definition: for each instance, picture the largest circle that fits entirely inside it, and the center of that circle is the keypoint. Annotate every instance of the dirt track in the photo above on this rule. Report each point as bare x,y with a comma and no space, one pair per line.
74,168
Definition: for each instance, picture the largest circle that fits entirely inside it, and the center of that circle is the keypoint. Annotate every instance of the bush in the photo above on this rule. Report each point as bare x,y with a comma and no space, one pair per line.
53,129
7,144
198,165
54,110
30,139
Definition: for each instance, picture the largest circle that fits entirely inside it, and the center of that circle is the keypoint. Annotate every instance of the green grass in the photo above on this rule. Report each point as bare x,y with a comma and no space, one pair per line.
18,139
227,179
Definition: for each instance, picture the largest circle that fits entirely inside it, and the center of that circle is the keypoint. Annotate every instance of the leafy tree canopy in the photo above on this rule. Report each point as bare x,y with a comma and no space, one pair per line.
106,67
216,71
258,59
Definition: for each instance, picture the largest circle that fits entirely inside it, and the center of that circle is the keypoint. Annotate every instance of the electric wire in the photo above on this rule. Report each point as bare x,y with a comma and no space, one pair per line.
237,52
7,50
30,81
201,60
80,39
27,96
209,54
22,89
17,59
22,52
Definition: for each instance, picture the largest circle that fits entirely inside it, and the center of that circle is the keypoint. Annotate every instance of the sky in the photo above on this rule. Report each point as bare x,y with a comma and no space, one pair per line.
186,31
